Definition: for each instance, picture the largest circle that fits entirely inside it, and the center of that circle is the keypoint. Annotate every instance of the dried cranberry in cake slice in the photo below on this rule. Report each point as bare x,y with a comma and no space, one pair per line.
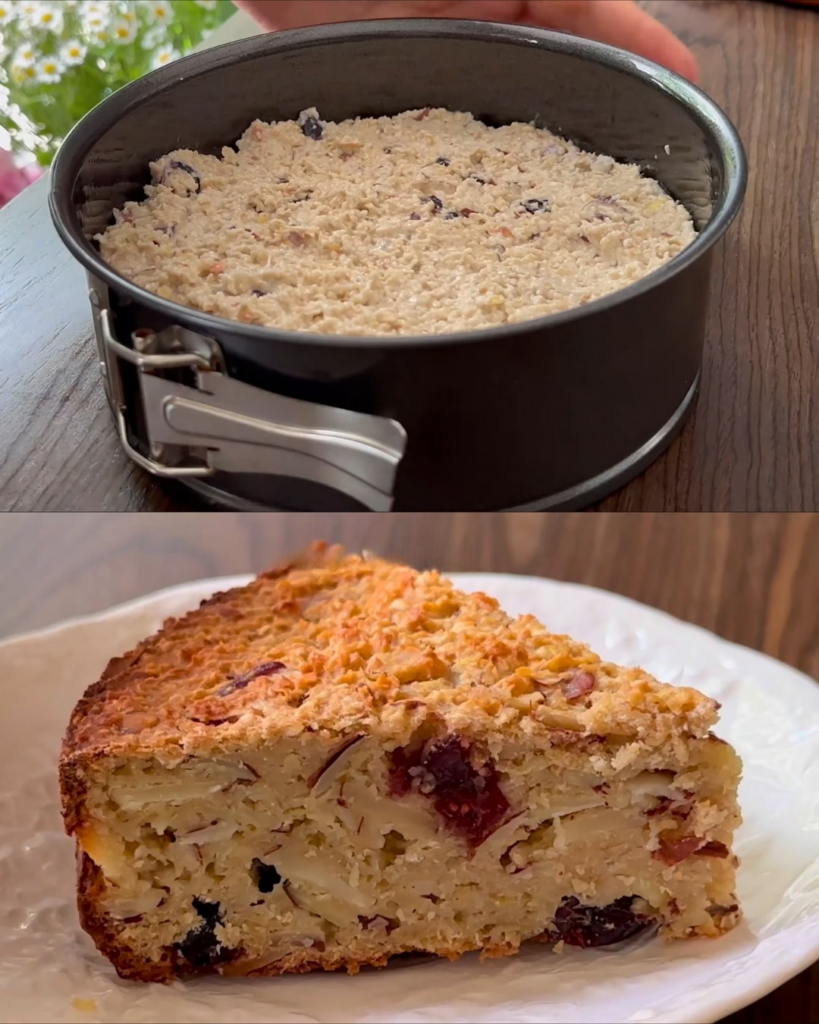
469,800
348,760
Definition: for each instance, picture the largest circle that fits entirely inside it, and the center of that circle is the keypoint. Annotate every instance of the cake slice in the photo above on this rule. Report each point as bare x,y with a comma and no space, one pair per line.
348,759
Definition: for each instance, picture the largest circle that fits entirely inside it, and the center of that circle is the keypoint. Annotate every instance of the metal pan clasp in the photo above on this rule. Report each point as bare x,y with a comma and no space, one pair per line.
220,424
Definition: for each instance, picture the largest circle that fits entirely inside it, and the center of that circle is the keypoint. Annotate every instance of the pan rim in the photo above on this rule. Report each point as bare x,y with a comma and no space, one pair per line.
708,114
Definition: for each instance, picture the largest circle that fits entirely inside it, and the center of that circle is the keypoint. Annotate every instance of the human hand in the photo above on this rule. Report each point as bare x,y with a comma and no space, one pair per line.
617,22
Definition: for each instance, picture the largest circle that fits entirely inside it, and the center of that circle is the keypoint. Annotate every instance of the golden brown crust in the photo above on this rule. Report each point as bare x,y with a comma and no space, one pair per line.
104,931
333,644
306,962
86,736
122,672
357,640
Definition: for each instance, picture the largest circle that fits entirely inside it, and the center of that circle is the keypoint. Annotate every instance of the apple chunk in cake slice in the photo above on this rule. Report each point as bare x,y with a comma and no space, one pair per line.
348,760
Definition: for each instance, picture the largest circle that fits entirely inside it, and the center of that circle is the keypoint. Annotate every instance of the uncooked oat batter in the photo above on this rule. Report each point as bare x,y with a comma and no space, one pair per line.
423,223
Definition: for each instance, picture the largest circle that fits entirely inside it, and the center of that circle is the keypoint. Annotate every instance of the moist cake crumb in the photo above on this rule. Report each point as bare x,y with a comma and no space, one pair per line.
427,222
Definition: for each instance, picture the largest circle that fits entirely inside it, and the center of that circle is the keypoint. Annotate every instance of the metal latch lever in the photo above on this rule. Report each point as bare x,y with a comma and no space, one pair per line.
248,430
235,427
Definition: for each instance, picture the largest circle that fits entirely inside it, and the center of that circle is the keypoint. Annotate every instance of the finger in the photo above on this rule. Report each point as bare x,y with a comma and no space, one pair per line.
620,23
278,14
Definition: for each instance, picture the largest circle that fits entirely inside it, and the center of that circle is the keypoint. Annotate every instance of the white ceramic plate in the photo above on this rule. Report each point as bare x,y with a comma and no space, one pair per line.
50,971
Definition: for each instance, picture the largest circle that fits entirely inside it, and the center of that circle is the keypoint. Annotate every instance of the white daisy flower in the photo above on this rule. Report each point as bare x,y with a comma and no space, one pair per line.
100,36
163,57
7,12
73,52
47,16
153,37
160,10
49,70
25,56
23,73
94,23
95,17
123,31
208,5
27,10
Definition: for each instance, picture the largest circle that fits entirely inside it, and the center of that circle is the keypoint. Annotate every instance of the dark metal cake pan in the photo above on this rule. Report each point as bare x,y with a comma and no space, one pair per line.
550,413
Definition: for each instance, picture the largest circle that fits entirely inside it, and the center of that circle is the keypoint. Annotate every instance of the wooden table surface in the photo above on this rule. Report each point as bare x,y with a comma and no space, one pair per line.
753,579
753,440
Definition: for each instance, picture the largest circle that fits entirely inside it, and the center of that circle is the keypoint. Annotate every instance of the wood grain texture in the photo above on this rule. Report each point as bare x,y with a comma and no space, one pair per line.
58,449
753,440
753,579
